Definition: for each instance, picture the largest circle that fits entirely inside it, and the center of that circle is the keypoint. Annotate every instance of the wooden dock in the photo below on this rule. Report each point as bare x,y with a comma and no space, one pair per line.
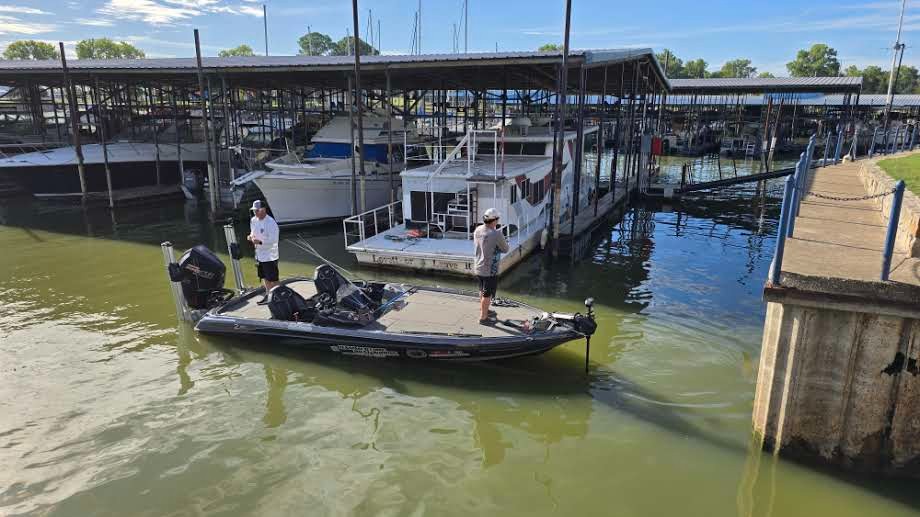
136,196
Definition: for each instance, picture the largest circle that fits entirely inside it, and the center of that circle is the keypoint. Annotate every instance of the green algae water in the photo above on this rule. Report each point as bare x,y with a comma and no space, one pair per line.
110,407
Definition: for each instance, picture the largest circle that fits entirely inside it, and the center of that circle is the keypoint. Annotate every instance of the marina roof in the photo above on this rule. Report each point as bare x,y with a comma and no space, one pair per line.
767,85
808,99
487,70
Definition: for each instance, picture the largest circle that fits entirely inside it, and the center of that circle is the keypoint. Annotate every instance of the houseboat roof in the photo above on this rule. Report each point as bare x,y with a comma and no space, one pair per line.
483,168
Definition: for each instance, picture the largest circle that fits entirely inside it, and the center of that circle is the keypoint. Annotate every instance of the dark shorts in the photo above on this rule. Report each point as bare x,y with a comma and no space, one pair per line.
487,286
268,270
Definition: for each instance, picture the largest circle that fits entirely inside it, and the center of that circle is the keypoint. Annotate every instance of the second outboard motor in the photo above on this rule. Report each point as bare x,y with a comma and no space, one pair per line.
202,276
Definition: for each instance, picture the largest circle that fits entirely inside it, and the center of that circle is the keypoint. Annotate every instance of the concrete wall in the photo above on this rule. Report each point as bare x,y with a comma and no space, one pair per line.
839,381
876,181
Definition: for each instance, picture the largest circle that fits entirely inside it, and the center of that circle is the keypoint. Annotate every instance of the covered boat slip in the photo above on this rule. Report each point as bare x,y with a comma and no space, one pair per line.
422,312
478,90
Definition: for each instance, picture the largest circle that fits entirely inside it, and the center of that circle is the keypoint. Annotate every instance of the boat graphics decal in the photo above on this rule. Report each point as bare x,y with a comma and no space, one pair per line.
364,351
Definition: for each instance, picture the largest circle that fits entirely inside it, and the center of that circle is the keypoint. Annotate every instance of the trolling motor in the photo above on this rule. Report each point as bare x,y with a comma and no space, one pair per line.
584,324
587,326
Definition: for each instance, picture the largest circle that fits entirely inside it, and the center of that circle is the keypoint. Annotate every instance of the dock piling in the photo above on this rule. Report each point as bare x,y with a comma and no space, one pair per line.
892,232
74,121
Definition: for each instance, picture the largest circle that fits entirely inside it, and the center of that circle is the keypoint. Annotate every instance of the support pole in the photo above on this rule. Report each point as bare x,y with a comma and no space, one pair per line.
351,138
100,125
233,249
74,122
839,149
579,148
892,233
390,136
359,103
602,121
560,131
212,180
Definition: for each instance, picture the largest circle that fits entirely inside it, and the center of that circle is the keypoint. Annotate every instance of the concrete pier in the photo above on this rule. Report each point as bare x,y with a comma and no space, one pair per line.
839,377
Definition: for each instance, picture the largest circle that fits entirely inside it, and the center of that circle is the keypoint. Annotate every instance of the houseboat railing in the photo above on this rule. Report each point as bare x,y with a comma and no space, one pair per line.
360,227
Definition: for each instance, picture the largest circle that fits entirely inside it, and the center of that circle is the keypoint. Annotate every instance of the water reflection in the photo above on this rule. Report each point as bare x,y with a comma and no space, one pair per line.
117,410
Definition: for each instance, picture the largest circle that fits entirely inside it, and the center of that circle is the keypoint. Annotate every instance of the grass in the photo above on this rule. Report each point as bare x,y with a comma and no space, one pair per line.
907,169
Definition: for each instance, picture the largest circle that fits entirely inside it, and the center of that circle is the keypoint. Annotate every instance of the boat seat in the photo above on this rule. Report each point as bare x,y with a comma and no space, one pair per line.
329,282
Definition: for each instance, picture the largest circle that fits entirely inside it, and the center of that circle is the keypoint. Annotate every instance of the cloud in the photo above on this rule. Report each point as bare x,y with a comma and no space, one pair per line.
15,9
251,10
171,12
148,11
12,25
94,22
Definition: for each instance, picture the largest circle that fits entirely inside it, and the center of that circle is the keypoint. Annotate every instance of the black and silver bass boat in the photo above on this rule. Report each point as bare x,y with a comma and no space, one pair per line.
371,319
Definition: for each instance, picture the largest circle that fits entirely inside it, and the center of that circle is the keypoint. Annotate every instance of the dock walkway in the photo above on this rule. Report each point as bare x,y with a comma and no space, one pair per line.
842,239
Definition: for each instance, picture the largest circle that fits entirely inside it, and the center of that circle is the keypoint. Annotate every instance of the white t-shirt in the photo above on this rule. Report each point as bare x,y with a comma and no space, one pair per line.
265,230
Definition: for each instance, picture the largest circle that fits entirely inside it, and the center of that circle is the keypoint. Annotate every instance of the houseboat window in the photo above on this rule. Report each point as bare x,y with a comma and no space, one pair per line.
514,191
421,204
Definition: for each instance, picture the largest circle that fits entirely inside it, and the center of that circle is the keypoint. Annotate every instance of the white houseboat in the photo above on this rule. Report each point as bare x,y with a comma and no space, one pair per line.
431,227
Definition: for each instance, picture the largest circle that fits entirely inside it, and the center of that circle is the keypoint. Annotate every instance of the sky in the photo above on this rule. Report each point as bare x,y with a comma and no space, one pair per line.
767,32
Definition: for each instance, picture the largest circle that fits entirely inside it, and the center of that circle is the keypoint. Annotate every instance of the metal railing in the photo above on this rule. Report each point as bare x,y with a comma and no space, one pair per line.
795,189
360,227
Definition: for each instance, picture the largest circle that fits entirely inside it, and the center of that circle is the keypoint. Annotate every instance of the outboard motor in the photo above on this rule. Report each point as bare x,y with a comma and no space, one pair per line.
202,276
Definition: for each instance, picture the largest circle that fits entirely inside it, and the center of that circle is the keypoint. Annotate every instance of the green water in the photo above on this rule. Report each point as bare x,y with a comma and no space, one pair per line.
109,407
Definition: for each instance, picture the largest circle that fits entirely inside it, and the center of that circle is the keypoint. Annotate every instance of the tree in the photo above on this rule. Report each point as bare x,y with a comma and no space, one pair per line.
907,81
550,47
875,80
766,75
105,48
315,44
344,47
672,65
738,68
30,49
242,50
818,61
696,69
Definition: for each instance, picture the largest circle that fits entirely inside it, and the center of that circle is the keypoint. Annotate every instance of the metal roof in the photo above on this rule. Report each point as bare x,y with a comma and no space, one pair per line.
808,99
487,70
767,85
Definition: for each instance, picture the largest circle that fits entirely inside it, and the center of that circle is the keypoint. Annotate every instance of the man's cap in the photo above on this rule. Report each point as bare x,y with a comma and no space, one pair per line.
491,215
257,204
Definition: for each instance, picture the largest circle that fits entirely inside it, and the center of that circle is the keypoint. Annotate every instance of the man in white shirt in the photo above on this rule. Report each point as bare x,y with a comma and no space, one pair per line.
264,234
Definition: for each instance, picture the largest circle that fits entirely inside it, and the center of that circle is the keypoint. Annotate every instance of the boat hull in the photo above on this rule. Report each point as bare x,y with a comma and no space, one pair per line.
301,199
64,180
355,343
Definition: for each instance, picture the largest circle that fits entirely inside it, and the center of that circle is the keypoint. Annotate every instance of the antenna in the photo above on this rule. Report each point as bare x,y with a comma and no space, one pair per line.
309,41
898,47
379,39
419,27
265,25
466,26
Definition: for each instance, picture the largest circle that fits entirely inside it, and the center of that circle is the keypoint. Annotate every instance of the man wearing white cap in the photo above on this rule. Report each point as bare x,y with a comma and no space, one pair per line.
490,244
264,234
